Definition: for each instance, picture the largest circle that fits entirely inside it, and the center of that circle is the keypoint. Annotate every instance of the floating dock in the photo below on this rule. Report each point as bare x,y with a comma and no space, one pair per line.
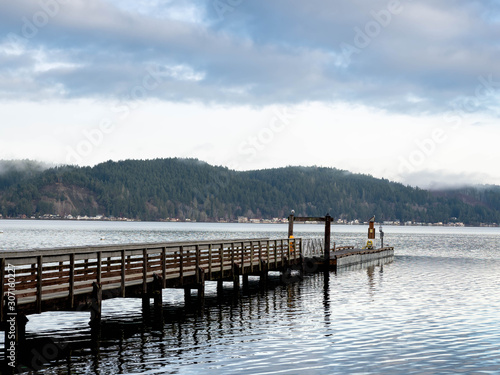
350,256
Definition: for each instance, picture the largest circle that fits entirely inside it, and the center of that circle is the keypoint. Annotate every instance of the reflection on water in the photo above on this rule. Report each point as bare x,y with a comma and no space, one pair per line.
433,310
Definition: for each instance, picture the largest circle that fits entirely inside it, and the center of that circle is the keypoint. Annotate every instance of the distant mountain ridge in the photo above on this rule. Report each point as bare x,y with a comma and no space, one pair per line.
191,189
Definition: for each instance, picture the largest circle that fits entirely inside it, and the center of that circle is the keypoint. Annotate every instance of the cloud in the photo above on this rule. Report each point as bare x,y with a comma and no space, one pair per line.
422,57
442,180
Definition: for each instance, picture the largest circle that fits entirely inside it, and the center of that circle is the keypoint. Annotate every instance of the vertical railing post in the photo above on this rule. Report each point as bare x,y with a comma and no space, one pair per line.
123,274
145,296
164,267
275,253
99,268
181,265
260,256
72,281
210,261
39,277
232,253
282,253
221,260
328,220
252,255
243,257
197,263
144,272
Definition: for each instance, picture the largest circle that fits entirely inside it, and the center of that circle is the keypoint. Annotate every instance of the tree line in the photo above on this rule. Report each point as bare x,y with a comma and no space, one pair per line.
191,189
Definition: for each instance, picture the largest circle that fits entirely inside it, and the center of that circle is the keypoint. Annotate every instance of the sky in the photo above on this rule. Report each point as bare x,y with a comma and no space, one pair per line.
401,89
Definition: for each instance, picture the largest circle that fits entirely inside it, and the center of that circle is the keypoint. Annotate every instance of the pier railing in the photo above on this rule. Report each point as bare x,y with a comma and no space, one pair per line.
314,247
38,276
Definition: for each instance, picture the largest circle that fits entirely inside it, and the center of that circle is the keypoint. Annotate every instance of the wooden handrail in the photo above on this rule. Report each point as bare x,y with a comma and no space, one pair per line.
64,273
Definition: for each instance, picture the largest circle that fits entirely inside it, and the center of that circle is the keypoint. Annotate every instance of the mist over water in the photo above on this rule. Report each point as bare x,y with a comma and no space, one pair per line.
434,310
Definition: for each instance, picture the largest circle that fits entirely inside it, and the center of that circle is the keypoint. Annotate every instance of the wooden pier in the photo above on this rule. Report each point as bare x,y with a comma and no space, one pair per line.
80,278
75,278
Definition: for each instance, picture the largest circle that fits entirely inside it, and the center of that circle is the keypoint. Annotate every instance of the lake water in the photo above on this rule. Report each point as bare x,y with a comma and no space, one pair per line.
434,310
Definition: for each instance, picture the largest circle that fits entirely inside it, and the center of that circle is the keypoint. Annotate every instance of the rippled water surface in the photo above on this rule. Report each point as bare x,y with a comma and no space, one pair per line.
434,310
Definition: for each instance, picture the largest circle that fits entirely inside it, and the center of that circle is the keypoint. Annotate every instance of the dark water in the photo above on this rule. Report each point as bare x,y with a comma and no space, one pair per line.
434,310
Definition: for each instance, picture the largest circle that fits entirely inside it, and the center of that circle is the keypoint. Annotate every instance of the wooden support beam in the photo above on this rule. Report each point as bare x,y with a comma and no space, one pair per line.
263,274
96,305
246,286
309,218
220,287
200,276
187,296
157,291
236,276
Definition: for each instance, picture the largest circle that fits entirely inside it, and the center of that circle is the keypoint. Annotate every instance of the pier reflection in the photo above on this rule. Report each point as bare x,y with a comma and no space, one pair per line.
164,334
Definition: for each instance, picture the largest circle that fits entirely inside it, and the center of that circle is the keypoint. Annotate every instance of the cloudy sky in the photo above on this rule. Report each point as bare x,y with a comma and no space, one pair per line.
406,90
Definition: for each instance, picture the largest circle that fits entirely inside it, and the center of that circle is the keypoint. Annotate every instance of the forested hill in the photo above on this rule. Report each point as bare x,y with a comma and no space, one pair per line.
190,189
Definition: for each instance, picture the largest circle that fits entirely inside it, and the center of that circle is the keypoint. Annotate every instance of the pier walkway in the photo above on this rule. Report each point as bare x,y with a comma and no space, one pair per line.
76,278
80,278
